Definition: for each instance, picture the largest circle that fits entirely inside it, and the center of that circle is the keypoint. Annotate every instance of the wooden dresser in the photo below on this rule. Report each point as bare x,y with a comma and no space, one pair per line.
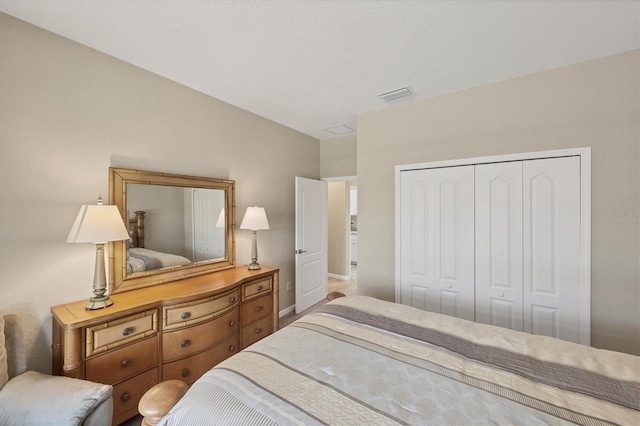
176,330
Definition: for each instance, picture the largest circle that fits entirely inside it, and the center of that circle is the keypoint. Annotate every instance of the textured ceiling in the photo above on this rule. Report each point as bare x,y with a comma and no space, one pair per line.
310,65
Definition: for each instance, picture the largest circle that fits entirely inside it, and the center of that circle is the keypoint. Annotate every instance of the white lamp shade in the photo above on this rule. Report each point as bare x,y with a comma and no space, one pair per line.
221,219
255,218
98,224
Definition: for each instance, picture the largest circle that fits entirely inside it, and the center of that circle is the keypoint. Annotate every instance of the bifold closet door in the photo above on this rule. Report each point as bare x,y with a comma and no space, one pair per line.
499,276
498,243
552,244
437,243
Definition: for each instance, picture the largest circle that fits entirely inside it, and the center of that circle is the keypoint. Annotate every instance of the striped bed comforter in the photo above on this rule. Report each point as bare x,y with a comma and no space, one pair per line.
359,360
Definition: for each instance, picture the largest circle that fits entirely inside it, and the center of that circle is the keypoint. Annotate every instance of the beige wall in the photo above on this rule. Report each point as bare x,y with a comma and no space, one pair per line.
338,225
67,113
338,156
594,104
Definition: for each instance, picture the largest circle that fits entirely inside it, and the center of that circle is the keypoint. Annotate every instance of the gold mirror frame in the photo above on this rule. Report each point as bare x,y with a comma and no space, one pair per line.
119,281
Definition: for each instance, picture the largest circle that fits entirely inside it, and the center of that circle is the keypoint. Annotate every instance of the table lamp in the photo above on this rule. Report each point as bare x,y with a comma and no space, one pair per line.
98,224
255,218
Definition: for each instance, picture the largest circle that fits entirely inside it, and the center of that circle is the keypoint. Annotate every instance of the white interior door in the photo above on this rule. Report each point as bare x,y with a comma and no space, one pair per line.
311,242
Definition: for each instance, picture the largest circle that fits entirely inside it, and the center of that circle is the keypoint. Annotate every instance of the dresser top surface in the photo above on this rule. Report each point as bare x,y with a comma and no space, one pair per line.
74,315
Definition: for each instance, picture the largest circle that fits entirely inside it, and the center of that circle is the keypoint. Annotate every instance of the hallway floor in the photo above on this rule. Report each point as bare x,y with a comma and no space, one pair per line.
348,287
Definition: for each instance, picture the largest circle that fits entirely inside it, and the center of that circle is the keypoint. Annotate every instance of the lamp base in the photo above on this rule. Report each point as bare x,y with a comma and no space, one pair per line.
99,302
253,266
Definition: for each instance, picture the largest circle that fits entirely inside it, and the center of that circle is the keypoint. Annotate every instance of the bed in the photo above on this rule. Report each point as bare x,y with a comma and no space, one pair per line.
141,259
359,360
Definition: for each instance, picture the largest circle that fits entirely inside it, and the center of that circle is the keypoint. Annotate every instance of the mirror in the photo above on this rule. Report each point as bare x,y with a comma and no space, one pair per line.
179,226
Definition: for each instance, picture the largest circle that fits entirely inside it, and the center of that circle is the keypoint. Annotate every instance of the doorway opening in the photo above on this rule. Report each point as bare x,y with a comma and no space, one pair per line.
342,241
348,287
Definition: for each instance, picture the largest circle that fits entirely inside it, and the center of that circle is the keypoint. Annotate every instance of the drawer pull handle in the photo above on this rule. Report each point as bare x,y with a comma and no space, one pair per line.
185,343
258,309
125,397
232,348
125,363
258,330
233,299
232,323
259,288
185,315
185,372
127,331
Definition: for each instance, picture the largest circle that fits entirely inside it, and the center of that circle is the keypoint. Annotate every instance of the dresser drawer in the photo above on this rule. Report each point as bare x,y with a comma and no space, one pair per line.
113,334
184,314
127,394
256,331
119,364
186,341
256,309
190,369
256,288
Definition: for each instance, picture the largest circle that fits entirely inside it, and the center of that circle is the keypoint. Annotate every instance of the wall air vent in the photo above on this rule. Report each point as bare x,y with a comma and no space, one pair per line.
396,95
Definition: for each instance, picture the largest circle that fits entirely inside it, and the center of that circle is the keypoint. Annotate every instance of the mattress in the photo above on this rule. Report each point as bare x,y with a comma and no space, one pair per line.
359,360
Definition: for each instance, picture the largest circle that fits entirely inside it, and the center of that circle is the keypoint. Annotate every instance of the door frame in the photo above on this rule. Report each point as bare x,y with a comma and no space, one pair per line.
340,179
585,216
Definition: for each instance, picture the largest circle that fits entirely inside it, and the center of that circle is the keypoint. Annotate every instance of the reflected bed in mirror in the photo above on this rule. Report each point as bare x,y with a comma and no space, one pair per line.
180,226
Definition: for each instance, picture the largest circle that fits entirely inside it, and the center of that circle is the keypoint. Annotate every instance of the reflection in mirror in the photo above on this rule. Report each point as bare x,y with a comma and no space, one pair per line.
173,226
179,226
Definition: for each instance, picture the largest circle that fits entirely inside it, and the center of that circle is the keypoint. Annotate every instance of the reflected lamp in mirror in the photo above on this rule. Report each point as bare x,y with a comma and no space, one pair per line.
220,223
98,224
255,218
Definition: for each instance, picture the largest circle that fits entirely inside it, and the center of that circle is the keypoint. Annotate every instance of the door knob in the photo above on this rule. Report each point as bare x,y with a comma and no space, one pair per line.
300,251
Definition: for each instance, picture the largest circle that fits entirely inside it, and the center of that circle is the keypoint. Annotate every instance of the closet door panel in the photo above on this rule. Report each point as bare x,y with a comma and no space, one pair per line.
417,256
551,203
454,245
436,247
422,297
498,250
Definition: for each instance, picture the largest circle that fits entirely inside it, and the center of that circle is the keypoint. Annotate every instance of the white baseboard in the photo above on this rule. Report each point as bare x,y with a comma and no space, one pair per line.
339,277
285,311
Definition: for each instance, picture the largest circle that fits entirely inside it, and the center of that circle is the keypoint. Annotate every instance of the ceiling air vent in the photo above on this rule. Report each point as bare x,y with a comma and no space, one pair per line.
343,129
396,95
